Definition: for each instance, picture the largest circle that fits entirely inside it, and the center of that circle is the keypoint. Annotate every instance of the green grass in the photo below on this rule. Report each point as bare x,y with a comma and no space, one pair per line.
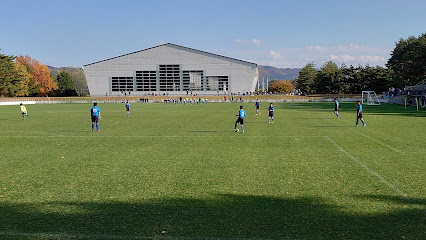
181,169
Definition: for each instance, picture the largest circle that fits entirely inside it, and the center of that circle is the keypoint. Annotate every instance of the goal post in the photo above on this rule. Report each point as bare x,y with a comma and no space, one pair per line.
370,98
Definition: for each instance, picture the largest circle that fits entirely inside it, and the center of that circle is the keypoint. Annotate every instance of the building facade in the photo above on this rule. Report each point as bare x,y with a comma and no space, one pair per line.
171,69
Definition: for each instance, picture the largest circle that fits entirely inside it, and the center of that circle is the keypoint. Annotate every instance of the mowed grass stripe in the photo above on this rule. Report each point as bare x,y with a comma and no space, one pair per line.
89,236
182,170
364,135
396,189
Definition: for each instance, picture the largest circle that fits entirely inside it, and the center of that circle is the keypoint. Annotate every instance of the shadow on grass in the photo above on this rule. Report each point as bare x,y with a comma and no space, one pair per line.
329,126
201,131
223,216
384,109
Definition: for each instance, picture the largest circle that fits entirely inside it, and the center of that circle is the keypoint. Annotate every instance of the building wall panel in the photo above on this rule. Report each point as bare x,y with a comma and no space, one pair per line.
241,74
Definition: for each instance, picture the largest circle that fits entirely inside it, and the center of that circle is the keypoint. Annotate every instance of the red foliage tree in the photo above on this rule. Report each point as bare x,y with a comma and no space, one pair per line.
40,73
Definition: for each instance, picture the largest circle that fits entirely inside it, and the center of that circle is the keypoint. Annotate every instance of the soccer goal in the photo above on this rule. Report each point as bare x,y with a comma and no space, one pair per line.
370,98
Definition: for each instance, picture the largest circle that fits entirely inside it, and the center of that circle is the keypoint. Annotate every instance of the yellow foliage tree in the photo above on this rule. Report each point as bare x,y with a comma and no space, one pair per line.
40,73
281,86
24,79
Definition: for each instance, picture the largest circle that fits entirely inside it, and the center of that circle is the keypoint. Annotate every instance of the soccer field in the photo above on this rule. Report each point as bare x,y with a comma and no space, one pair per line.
180,172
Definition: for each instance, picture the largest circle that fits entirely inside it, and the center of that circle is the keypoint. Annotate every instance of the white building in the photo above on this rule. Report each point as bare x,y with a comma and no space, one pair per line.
172,69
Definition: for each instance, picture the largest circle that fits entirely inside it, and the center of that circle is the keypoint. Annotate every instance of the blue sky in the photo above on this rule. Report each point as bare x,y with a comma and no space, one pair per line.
284,34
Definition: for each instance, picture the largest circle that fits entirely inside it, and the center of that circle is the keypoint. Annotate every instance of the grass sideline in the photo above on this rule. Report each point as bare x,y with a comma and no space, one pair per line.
180,172
160,97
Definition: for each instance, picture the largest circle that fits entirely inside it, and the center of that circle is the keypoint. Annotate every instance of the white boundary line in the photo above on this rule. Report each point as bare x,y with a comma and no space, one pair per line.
362,134
102,236
98,135
377,141
396,189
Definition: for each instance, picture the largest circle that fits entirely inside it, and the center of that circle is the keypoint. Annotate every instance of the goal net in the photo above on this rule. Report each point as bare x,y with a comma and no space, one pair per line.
370,98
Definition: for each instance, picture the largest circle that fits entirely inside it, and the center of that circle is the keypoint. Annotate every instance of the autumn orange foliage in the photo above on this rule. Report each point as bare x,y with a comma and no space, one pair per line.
281,86
40,73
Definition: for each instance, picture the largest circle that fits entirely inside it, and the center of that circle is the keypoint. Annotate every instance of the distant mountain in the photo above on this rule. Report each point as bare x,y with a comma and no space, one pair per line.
77,76
273,73
56,69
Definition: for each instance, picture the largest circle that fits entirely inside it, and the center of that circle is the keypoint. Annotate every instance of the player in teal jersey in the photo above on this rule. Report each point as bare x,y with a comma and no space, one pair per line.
128,108
359,115
257,104
95,114
336,107
241,115
271,113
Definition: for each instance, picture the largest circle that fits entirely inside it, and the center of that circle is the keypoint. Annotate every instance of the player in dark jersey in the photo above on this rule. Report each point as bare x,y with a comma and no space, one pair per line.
95,114
271,113
359,115
336,107
257,104
241,115
128,108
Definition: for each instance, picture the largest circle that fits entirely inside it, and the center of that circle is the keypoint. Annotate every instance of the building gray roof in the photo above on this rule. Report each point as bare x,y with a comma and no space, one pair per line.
175,45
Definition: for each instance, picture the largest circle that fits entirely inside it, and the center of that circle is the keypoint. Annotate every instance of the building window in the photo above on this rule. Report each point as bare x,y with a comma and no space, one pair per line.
146,80
217,83
193,80
119,84
169,77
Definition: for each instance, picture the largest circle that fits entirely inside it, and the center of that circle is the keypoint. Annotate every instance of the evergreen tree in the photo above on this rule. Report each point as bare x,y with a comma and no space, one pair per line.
77,76
408,61
66,85
306,79
328,78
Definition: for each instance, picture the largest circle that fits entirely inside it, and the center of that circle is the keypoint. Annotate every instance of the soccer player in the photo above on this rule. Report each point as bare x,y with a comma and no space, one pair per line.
271,113
95,114
359,115
257,104
128,108
24,111
241,115
336,107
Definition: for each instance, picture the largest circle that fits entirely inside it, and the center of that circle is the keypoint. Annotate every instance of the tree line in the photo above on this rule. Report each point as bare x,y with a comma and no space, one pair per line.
332,79
406,66
24,76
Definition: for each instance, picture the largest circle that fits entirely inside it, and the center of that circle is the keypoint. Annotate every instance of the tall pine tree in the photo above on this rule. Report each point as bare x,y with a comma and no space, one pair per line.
66,86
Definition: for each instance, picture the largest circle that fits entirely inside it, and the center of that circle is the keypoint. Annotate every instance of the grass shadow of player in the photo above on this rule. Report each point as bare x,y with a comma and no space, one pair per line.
204,131
329,126
350,108
229,216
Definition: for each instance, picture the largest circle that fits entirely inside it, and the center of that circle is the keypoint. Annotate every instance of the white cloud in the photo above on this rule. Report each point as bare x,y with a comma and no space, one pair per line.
317,48
342,58
349,54
274,54
371,59
256,42
161,42
253,41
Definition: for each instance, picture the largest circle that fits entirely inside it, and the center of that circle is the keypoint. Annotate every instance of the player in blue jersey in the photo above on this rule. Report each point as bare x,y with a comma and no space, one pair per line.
336,107
241,115
257,104
271,113
128,108
95,114
359,115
